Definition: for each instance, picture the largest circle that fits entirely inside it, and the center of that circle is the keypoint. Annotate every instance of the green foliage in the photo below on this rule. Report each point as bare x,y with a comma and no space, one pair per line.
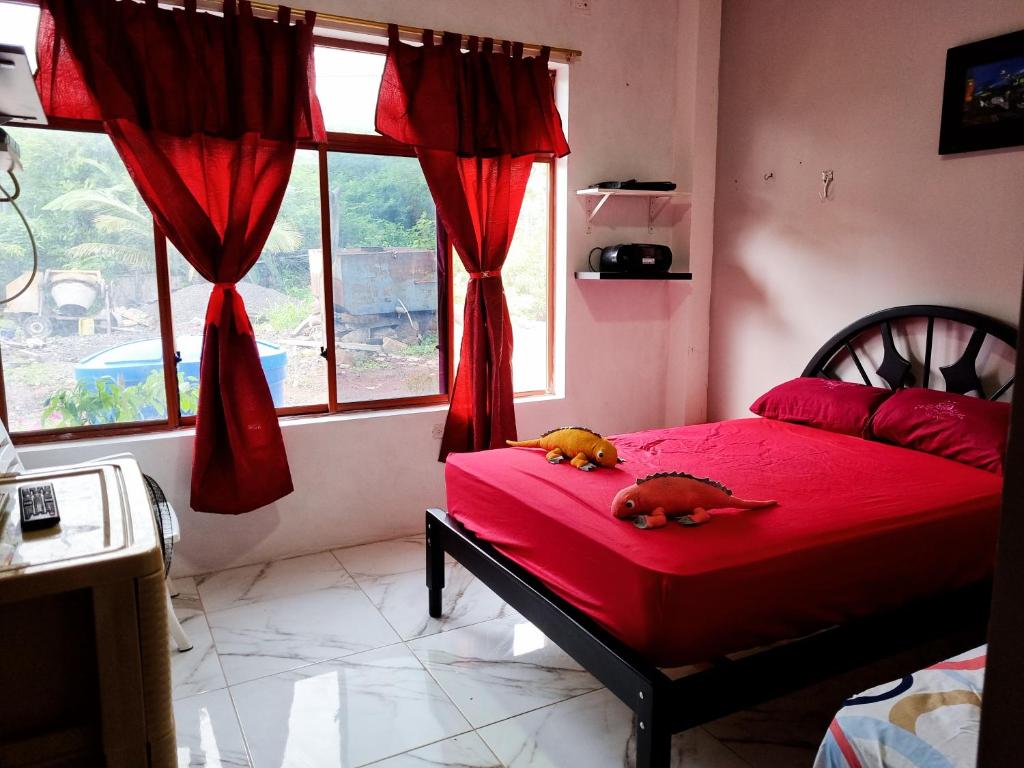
425,348
84,404
188,394
369,362
106,402
284,317
379,201
86,213
424,233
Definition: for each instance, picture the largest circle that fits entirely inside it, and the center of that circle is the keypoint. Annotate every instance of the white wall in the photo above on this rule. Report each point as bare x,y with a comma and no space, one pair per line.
855,87
630,114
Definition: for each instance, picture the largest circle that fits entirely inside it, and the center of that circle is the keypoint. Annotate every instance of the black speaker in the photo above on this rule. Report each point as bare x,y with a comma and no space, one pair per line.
635,257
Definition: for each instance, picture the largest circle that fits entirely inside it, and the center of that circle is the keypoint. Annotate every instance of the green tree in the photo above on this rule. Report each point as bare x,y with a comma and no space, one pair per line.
124,229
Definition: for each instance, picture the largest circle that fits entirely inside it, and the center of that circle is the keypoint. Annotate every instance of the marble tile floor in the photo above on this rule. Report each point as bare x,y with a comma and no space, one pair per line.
330,661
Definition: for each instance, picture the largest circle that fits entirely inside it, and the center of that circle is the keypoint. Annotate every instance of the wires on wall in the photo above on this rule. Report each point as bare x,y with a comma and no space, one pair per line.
11,197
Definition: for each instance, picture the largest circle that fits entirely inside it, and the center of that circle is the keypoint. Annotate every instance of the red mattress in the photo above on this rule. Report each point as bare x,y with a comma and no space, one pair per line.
861,526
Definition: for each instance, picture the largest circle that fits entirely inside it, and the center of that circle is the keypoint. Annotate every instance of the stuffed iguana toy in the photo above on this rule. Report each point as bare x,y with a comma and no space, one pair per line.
655,499
584,448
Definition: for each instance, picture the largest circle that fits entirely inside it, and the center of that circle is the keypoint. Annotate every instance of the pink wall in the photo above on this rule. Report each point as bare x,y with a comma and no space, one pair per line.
855,87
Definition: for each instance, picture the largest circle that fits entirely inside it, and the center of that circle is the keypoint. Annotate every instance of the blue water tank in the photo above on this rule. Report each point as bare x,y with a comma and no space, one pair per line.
132,363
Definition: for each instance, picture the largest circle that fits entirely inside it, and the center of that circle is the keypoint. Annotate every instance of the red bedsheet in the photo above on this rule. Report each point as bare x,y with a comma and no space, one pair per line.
861,526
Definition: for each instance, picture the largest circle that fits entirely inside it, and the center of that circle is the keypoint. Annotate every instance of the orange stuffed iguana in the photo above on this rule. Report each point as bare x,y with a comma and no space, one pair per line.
584,448
655,499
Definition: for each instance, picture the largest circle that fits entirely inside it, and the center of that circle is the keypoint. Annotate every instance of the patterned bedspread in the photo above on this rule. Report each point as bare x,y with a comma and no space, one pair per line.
926,720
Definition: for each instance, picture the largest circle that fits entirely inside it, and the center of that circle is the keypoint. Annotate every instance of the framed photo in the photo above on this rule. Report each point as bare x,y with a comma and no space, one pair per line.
983,99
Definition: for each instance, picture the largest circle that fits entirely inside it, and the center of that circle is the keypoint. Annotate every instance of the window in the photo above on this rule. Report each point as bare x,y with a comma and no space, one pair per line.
384,269
347,301
347,83
81,347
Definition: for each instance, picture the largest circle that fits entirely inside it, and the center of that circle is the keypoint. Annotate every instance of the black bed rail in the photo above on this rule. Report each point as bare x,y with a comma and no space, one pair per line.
663,706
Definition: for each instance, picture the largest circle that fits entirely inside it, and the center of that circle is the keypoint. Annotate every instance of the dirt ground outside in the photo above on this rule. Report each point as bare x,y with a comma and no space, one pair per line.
37,368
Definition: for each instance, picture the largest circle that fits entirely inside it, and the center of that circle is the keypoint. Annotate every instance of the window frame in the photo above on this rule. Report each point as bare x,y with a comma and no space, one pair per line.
352,143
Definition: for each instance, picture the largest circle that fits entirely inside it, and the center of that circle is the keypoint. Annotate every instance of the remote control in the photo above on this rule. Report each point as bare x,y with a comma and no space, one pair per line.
38,507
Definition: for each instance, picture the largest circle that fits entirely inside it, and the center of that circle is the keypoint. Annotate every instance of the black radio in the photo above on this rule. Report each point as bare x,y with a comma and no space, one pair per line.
634,257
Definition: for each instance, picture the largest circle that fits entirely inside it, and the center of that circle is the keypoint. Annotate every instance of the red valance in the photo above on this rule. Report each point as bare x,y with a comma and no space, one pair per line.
178,71
480,103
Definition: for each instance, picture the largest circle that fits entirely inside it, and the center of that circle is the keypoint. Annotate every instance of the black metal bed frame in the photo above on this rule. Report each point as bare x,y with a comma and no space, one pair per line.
663,706
896,370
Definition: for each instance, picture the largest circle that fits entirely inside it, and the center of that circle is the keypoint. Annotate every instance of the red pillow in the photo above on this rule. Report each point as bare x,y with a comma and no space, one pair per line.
838,406
966,429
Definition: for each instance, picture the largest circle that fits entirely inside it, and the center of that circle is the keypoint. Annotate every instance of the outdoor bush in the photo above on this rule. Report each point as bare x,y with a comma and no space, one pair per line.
285,316
105,401
425,348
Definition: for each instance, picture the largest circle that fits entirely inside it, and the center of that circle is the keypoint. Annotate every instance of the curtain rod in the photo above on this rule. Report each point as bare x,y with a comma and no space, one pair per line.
352,23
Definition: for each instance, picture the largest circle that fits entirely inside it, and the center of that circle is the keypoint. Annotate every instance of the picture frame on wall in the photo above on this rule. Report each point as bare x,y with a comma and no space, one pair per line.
983,97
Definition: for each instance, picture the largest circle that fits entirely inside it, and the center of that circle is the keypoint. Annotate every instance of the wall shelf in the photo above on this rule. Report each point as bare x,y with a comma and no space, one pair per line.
634,276
657,200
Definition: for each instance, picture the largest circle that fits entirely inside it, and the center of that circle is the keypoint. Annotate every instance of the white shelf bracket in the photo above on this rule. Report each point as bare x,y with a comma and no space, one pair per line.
655,206
593,209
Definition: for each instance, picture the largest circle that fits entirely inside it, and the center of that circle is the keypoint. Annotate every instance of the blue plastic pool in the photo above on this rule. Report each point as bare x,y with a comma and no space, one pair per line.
132,363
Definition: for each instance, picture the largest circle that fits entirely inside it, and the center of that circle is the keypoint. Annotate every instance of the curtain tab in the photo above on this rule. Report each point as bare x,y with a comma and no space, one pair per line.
284,15
428,38
517,50
485,274
393,34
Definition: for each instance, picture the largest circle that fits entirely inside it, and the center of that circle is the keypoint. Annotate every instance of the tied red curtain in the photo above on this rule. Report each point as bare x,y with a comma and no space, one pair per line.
205,111
477,120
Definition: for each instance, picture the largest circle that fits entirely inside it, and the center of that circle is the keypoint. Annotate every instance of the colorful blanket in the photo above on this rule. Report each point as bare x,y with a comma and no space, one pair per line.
926,720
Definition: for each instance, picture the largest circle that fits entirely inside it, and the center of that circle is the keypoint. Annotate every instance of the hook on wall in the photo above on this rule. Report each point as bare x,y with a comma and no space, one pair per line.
826,184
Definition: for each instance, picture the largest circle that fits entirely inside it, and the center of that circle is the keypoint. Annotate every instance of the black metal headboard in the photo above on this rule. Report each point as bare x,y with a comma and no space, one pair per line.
895,369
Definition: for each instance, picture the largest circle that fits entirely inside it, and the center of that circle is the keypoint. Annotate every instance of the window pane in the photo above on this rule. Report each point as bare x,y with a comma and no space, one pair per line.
279,296
18,25
525,277
82,345
385,277
346,84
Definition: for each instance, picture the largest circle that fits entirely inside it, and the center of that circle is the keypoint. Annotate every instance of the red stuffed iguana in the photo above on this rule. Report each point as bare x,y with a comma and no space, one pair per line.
655,499
587,449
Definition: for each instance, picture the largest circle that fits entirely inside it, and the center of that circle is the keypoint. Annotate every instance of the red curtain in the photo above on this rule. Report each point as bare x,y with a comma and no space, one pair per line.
205,111
477,120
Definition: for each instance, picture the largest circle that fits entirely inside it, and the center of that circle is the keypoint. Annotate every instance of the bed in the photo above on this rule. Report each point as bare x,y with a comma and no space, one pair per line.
929,719
850,512
830,579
